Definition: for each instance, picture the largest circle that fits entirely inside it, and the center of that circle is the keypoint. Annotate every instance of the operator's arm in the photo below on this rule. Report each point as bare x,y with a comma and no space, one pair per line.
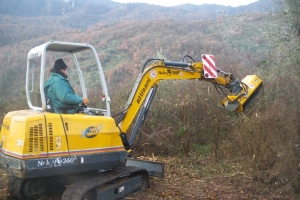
65,92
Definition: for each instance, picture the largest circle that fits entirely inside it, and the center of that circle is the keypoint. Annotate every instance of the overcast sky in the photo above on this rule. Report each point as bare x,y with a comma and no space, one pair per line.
232,3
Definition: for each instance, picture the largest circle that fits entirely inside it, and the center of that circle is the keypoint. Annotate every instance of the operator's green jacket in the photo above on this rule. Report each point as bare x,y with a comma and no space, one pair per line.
61,94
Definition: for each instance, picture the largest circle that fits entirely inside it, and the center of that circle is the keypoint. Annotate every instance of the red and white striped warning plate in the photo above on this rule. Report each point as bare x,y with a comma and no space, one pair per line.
209,66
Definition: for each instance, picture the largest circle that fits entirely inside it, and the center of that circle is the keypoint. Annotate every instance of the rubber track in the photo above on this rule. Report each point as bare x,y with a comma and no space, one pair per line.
77,190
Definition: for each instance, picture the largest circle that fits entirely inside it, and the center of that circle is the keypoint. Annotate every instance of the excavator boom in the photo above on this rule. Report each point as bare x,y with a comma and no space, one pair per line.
240,92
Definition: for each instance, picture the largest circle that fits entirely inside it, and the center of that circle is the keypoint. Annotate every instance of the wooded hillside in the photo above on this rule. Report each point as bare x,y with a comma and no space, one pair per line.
186,116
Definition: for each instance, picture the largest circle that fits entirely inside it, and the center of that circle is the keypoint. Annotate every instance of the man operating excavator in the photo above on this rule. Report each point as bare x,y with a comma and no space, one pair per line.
60,96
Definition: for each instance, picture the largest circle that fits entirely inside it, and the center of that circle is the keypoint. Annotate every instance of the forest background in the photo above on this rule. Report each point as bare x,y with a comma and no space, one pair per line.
186,119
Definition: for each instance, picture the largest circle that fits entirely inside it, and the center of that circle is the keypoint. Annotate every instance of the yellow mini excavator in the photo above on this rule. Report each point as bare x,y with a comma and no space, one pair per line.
87,153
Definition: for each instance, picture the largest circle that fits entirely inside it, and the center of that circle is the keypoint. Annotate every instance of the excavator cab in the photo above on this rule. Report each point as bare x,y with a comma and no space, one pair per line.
85,74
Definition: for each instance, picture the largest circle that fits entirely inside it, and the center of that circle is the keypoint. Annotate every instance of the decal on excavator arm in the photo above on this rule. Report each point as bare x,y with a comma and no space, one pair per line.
153,74
142,92
169,72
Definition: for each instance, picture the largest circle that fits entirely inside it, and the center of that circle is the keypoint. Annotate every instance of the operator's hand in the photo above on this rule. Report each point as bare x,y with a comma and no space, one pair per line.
85,101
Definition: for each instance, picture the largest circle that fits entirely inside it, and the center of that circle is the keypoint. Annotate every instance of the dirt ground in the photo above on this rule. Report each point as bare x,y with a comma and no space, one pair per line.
198,178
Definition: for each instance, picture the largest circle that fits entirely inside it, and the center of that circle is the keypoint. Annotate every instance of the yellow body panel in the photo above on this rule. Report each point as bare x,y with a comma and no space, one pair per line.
89,134
30,134
20,137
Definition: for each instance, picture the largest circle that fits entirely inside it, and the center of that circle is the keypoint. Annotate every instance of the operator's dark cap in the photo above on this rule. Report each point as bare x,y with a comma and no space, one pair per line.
59,64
